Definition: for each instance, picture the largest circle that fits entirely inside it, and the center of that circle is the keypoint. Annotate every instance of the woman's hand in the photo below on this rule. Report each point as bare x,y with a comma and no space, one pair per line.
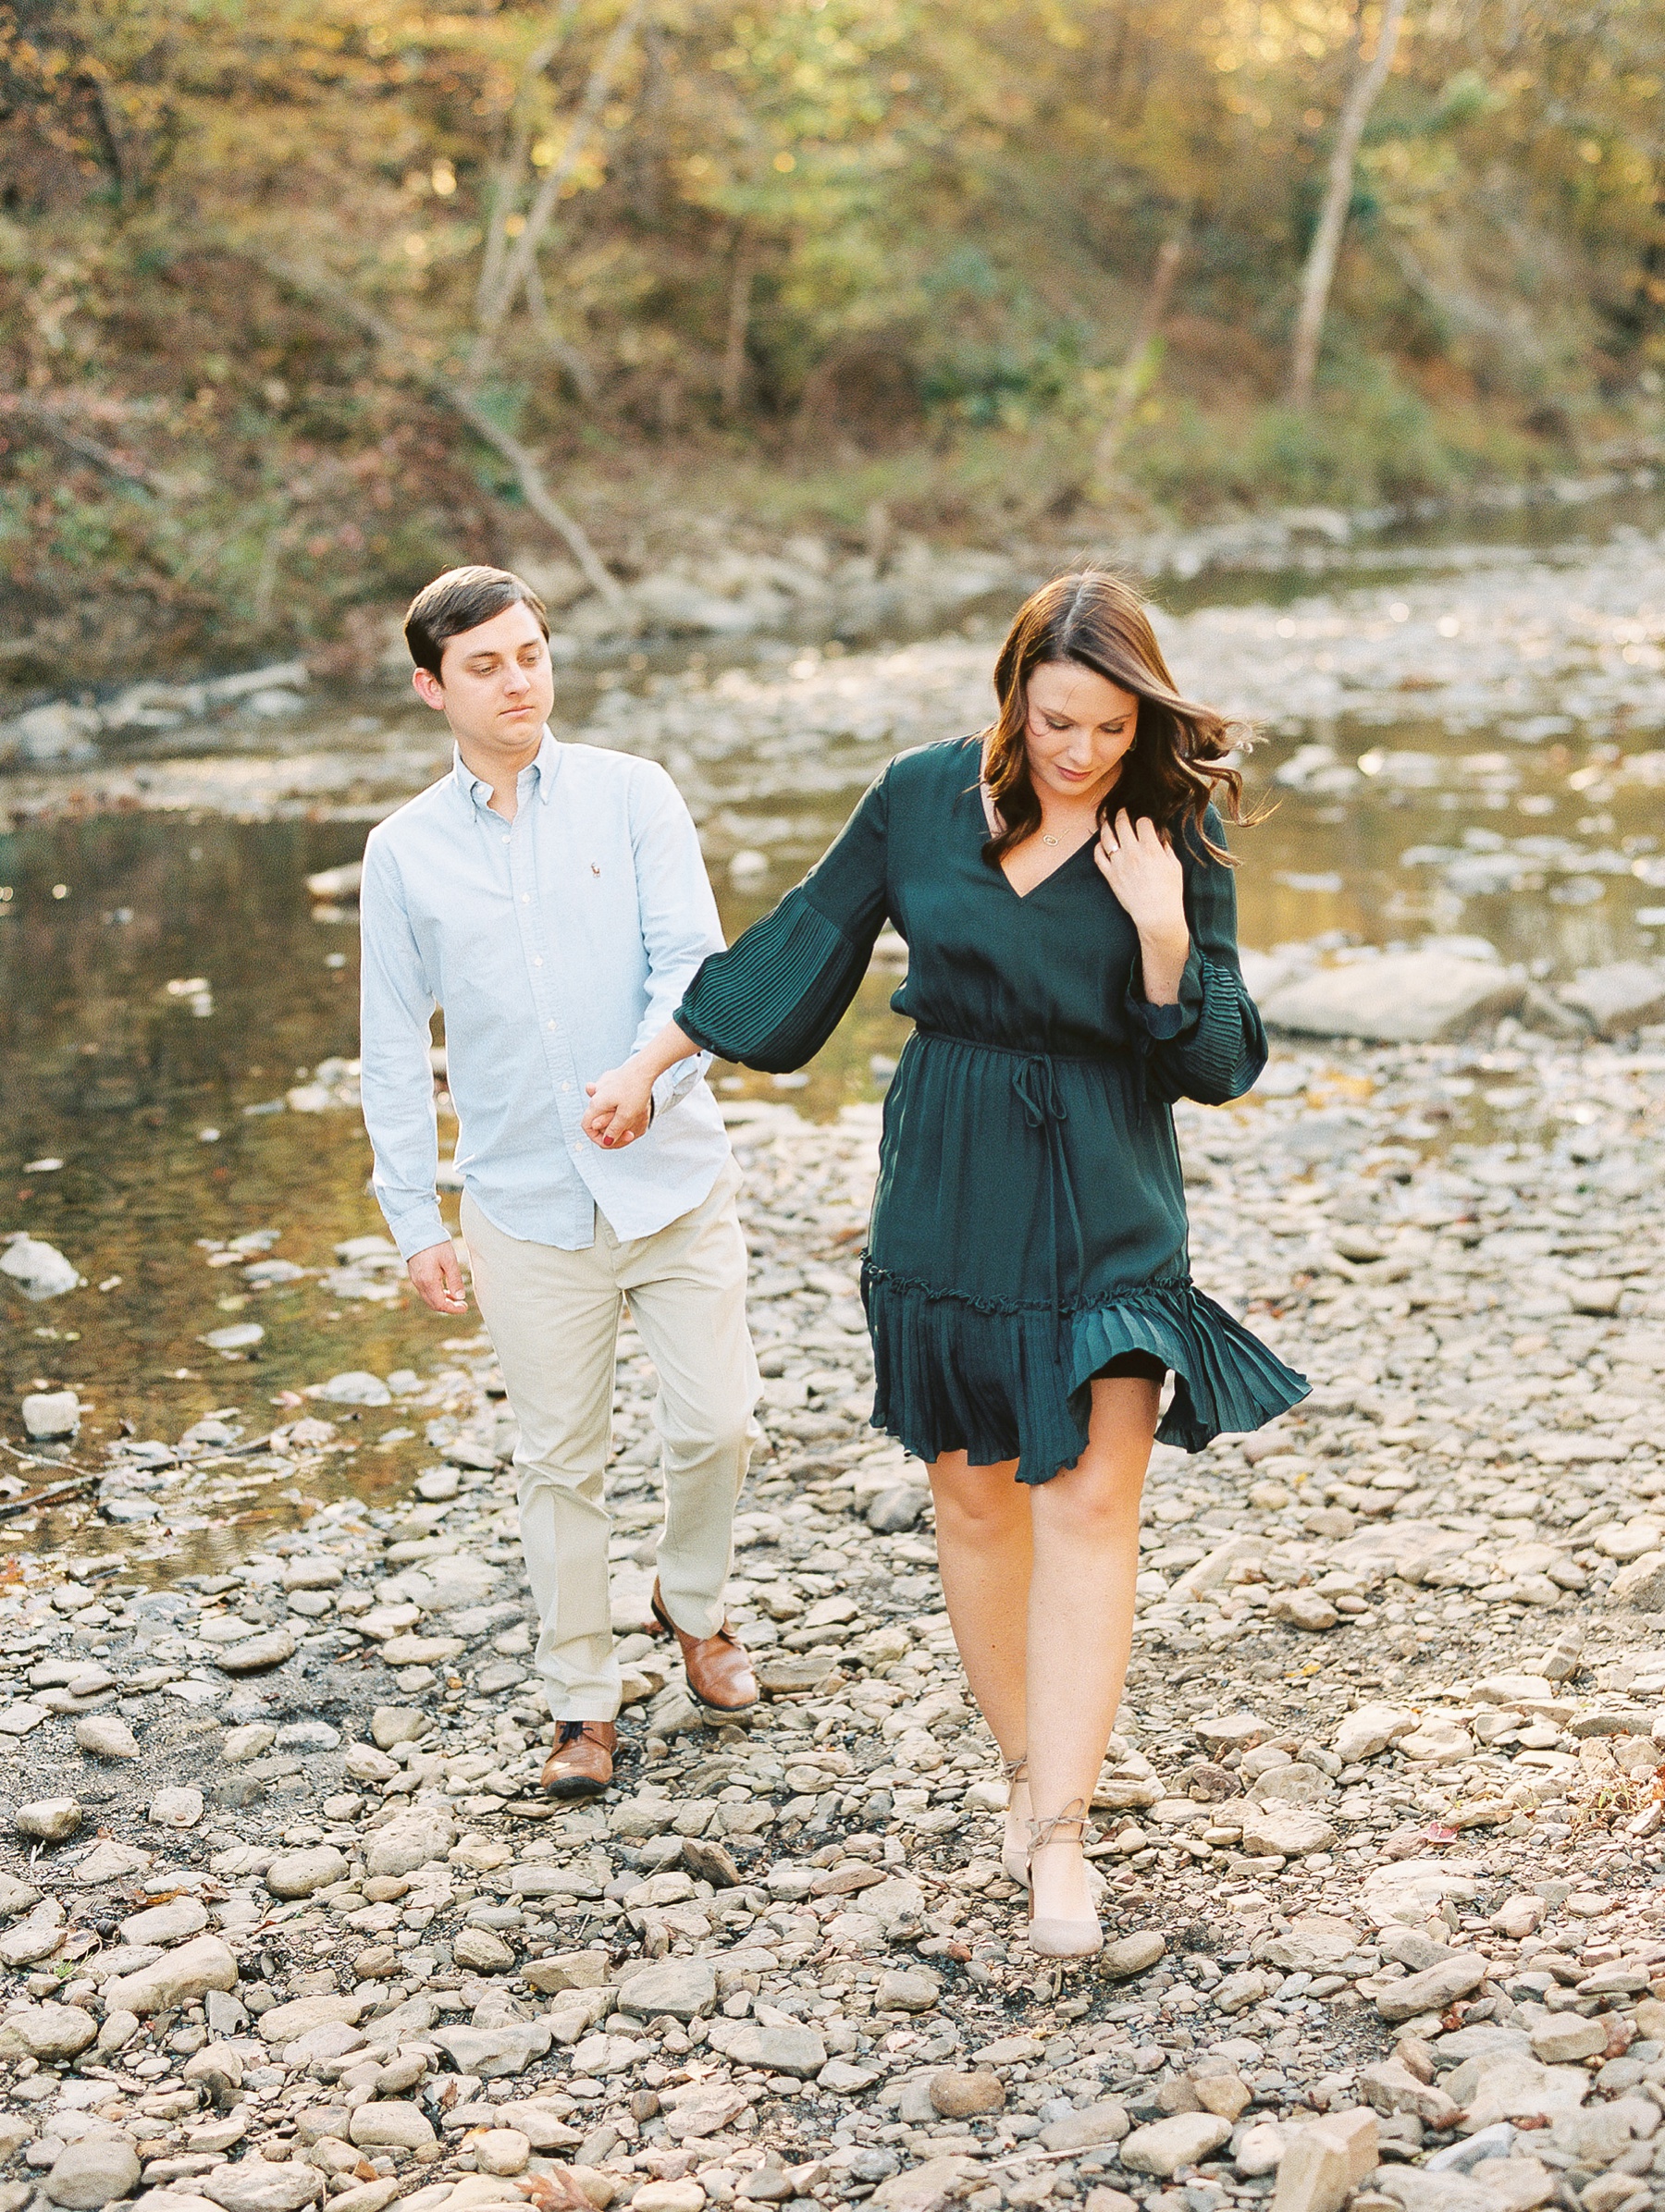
1142,869
621,1105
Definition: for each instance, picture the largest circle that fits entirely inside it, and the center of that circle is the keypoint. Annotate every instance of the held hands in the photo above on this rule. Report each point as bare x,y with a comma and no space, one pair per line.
1142,869
437,1274
621,1105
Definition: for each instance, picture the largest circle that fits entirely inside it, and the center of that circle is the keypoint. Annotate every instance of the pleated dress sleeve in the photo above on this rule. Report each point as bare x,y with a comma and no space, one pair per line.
1211,1046
775,996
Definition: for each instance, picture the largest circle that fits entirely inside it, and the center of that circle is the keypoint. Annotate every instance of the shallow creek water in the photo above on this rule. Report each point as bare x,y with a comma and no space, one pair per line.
1463,740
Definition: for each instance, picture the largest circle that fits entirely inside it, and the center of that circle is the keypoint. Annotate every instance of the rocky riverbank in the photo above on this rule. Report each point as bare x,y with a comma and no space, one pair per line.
286,1922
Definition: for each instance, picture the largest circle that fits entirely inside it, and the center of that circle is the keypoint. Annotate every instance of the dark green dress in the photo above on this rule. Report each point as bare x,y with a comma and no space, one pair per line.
1028,1227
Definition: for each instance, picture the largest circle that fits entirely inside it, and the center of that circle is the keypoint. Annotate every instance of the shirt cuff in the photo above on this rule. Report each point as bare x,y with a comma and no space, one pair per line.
677,1081
1164,1024
418,1230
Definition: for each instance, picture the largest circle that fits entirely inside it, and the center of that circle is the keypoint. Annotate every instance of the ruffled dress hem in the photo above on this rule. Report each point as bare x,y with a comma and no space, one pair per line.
1004,1380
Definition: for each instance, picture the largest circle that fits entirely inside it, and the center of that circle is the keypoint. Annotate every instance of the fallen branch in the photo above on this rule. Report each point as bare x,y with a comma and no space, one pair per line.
76,442
44,1497
329,292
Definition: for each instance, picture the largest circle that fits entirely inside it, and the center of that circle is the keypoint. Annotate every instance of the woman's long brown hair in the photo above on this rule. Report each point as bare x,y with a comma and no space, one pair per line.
1178,766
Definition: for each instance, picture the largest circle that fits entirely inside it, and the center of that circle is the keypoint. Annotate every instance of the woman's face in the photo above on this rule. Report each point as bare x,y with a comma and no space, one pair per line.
1080,730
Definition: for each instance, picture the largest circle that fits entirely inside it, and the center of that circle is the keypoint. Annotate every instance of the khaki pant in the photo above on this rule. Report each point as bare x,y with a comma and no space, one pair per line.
553,1320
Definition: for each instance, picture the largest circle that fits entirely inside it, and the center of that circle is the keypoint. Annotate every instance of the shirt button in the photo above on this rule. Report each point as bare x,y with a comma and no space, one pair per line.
537,960
548,1024
525,898
566,1086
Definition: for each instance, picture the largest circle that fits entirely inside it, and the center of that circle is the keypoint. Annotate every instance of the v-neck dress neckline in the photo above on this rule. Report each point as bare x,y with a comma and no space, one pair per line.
1029,1225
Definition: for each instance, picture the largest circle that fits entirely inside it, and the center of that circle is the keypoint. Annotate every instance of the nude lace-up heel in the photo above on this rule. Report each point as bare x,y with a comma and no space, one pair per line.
1055,1938
1014,1854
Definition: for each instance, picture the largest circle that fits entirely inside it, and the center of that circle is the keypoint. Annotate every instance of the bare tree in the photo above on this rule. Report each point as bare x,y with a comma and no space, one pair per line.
516,266
1322,254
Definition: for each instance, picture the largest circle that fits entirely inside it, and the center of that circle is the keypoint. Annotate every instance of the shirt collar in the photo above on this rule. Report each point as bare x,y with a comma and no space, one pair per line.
544,767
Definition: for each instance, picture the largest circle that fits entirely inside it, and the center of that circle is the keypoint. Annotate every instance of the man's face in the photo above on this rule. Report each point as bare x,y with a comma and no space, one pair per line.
495,685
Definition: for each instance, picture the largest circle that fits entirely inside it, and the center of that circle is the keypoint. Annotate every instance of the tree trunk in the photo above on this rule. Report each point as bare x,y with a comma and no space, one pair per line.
1324,250
1141,360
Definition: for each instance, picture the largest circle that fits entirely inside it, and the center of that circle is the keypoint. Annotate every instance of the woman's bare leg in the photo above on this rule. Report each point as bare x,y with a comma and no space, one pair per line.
983,1551
1085,1534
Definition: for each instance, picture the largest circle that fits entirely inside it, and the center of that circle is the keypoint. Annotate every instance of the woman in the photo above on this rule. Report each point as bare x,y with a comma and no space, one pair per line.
1071,927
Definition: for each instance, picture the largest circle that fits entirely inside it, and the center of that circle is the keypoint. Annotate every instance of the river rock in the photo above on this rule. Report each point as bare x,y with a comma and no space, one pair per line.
50,2032
256,2184
51,1415
1287,1831
179,1977
255,1654
391,2123
1164,2146
170,1922
493,2052
298,1874
178,1805
39,1270
1368,1731
794,2050
967,2096
1402,998
408,1841
105,1736
1128,1955
684,1987
285,2024
506,2151
1434,1988
1619,997
48,1820
1087,2130
92,2172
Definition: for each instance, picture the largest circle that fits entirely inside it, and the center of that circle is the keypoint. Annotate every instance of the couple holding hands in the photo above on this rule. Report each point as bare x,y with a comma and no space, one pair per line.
1062,885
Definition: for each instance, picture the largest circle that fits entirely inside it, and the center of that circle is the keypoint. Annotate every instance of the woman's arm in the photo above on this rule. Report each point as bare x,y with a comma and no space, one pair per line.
772,1000
1204,1040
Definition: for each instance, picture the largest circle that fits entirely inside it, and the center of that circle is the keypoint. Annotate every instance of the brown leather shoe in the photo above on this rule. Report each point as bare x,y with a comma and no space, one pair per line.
581,1763
720,1674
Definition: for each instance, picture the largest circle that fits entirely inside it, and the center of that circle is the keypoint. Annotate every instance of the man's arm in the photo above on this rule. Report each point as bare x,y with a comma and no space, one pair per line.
679,921
395,1006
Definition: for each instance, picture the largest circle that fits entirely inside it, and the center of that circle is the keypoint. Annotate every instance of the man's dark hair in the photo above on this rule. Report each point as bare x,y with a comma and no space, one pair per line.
462,599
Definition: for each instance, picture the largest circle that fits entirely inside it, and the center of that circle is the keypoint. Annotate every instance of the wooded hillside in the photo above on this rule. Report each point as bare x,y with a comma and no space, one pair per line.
303,298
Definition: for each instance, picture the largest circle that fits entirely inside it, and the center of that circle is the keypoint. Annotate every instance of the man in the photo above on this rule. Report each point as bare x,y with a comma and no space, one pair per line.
552,899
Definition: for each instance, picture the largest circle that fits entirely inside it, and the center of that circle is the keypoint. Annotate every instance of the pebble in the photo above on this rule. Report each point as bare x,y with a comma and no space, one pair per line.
102,1736
48,1820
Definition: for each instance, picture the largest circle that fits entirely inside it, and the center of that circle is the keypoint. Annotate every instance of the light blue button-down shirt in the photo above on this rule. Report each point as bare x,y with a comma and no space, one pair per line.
557,944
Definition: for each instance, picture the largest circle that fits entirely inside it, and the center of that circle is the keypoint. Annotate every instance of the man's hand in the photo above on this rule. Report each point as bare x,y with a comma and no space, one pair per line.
621,1105
437,1274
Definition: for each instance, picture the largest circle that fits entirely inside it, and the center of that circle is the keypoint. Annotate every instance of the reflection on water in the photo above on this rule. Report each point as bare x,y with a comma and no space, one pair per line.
168,981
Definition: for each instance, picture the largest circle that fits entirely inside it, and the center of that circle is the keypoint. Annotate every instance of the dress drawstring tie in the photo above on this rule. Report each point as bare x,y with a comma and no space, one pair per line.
1035,1080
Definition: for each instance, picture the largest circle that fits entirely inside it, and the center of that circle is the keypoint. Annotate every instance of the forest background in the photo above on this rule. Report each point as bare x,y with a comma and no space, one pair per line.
302,299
